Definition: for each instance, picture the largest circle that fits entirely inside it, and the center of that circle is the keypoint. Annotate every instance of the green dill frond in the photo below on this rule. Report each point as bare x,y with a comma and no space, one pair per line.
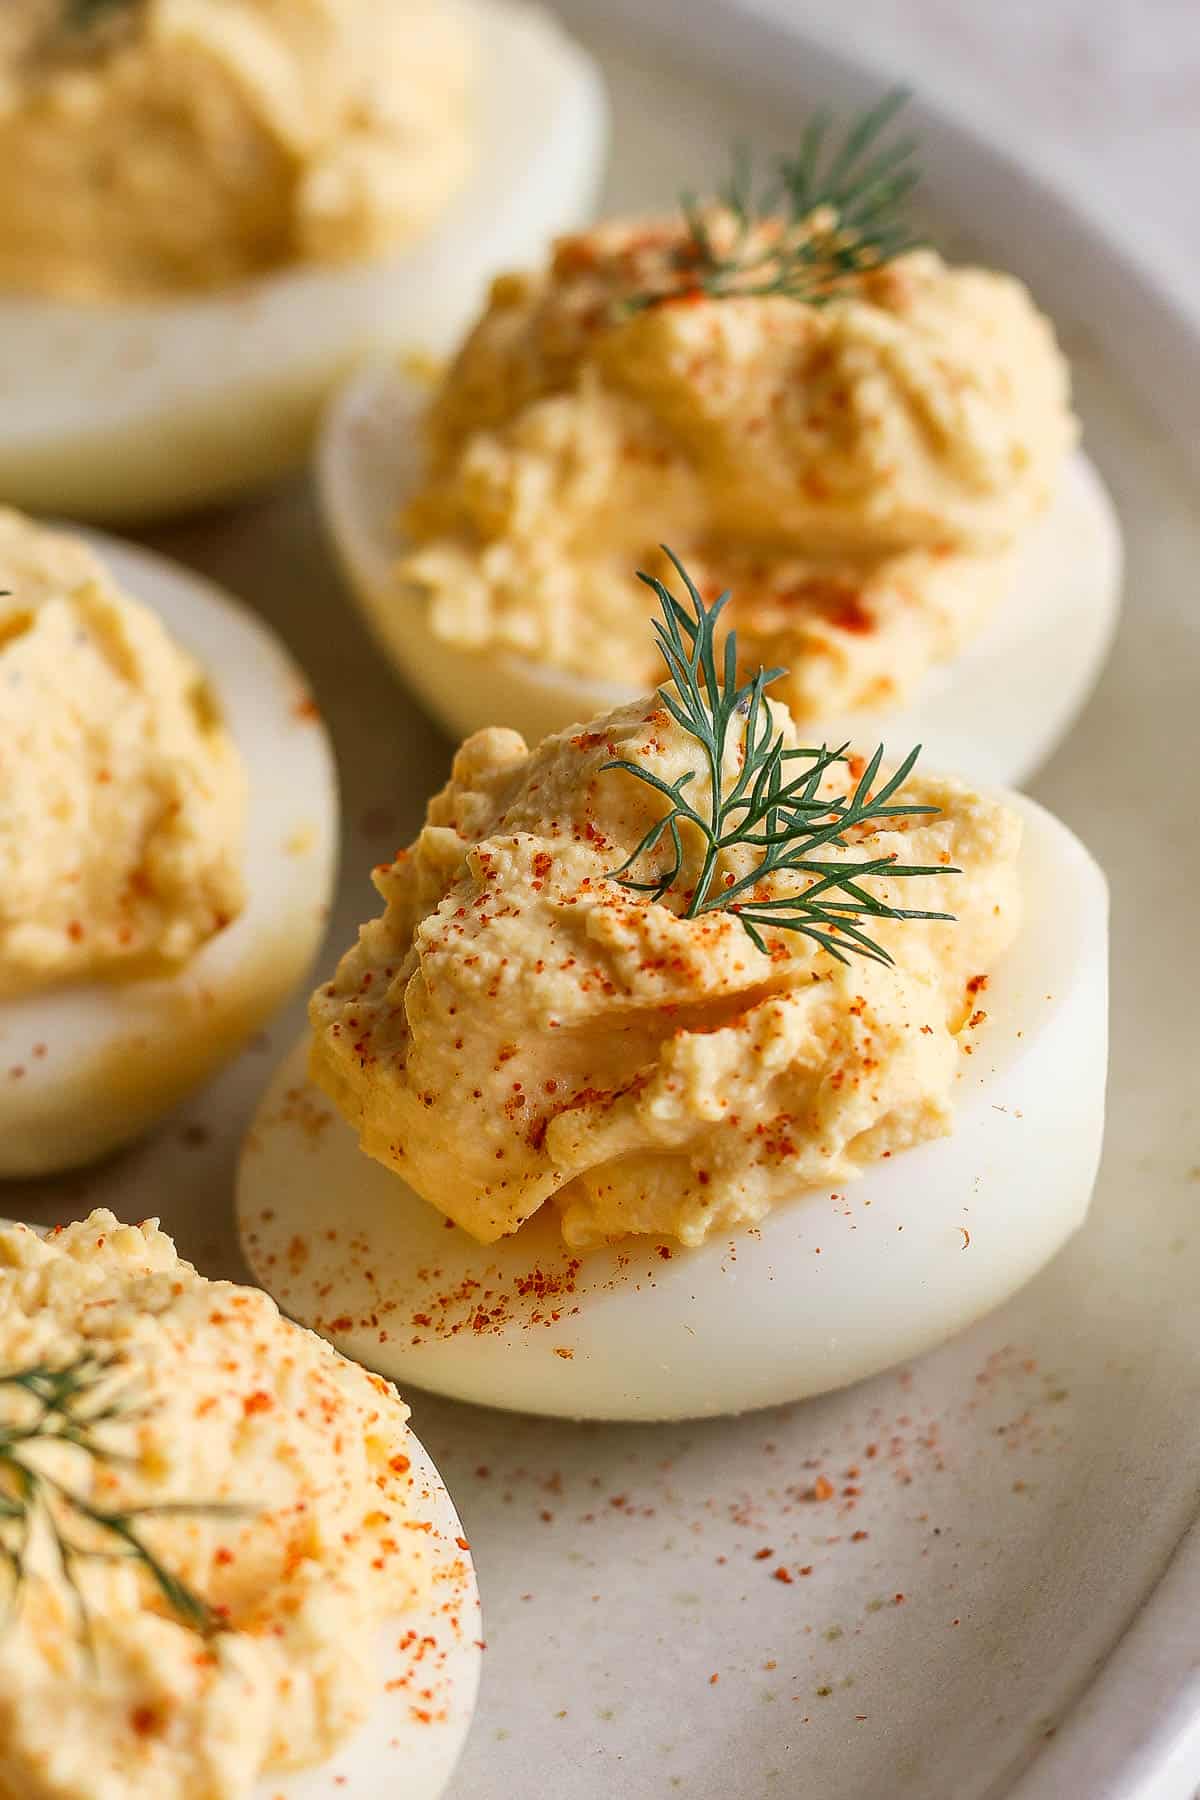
82,15
832,211
70,1404
773,805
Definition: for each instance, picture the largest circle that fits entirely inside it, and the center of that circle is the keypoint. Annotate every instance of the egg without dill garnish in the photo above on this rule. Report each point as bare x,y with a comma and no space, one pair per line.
125,407
124,986
681,1092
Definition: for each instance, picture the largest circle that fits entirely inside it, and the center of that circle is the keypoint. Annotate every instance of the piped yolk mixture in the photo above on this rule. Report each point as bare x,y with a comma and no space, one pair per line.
288,1465
518,1028
161,147
122,796
859,472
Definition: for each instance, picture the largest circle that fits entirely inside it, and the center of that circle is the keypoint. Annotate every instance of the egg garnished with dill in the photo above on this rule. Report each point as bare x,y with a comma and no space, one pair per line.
228,1568
691,1065
872,447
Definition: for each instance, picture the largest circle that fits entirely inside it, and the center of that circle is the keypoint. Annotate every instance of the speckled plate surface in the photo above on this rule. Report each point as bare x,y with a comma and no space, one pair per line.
947,1584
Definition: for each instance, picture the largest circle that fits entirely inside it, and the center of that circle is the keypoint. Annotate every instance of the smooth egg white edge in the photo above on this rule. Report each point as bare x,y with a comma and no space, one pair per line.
395,1752
117,1054
830,1288
124,411
993,714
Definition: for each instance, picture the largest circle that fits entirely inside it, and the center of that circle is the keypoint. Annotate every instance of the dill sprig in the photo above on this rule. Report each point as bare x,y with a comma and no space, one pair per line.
765,807
827,214
70,1404
82,15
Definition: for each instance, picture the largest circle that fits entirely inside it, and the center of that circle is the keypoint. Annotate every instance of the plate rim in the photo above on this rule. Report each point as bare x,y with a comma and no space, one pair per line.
1133,1731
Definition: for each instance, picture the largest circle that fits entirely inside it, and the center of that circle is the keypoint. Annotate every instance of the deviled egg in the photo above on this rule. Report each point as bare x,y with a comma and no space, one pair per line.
874,449
226,1558
168,836
210,212
690,1067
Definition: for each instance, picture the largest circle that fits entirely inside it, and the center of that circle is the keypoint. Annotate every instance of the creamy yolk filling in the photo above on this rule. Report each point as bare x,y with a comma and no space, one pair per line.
858,472
218,1403
518,1027
122,796
179,145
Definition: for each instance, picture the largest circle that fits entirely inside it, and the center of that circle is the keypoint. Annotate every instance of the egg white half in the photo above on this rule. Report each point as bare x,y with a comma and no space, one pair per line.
86,1066
128,411
437,1648
994,714
830,1288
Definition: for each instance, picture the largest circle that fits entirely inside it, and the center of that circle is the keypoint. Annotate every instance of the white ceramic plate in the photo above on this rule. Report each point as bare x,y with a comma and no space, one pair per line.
1035,1479
994,713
